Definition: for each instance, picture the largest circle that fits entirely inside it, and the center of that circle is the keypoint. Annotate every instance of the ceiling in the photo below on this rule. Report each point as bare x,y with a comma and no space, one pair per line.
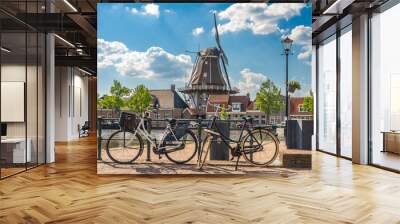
73,21
332,15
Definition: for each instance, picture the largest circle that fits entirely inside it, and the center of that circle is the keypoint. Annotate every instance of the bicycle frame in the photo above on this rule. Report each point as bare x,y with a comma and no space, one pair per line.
225,139
142,131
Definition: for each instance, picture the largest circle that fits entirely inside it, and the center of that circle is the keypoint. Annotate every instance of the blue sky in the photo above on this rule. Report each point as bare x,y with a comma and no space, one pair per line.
147,43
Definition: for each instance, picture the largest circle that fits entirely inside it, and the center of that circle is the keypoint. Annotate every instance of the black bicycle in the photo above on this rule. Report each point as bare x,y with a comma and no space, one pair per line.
178,143
256,144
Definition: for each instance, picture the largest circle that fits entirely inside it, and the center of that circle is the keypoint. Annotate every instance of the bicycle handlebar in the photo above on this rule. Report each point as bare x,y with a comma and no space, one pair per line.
218,108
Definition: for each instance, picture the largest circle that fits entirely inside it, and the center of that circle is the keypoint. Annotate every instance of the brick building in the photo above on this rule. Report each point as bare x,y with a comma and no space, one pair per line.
171,104
242,106
297,111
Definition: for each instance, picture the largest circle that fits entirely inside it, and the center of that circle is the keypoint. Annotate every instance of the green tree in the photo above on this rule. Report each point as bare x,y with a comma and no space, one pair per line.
116,100
118,90
140,99
269,98
107,102
223,114
308,103
99,102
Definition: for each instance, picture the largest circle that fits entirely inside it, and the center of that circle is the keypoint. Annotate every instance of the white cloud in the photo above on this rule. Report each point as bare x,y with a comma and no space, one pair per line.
250,82
197,31
169,11
134,11
152,9
301,36
148,9
260,18
153,63
305,53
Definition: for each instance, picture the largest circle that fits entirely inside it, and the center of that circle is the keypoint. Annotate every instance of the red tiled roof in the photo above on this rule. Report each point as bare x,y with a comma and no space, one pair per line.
252,105
240,99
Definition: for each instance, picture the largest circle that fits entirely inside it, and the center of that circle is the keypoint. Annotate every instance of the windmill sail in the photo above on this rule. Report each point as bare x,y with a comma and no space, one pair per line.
221,53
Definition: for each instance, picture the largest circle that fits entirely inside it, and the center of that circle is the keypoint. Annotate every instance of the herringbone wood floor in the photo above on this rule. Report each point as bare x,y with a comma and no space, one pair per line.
70,191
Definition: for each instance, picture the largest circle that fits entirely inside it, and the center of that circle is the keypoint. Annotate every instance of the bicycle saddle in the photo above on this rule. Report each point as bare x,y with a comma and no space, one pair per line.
249,119
171,120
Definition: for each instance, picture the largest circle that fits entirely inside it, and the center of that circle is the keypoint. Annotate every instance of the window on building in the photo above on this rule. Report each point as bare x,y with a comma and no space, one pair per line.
236,107
302,108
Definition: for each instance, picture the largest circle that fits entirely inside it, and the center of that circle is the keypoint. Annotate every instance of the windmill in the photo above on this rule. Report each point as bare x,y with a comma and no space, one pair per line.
207,77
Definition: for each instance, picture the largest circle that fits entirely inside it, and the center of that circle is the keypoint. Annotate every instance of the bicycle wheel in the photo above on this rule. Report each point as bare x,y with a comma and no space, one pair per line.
260,147
186,152
124,147
203,154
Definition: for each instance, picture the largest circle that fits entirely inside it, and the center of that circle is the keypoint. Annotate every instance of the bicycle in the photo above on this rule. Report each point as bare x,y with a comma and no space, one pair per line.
256,144
178,143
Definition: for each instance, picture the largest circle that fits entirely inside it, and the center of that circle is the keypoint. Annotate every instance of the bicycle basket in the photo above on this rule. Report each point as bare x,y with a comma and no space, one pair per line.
128,121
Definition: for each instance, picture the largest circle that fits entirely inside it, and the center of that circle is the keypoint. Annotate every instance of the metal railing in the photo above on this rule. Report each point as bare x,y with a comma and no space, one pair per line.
111,125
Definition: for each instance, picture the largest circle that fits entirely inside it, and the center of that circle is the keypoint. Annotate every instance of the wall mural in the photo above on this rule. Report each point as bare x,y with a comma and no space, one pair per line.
201,88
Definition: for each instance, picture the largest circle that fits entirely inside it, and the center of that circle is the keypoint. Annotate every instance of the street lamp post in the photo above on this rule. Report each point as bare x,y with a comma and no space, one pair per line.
287,46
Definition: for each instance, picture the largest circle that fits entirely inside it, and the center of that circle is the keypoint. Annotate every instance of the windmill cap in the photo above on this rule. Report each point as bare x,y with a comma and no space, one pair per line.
209,51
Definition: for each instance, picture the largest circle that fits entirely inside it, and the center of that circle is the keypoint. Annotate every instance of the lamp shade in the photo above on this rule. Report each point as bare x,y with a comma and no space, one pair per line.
287,43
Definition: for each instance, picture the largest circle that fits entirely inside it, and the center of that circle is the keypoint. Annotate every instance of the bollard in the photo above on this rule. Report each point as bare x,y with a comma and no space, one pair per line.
148,142
199,128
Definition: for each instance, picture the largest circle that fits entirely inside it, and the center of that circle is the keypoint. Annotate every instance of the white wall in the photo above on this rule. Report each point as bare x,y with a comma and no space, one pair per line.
33,126
11,73
71,102
62,82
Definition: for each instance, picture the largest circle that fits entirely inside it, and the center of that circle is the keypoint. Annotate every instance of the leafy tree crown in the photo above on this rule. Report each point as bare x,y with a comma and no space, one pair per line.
269,98
140,100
